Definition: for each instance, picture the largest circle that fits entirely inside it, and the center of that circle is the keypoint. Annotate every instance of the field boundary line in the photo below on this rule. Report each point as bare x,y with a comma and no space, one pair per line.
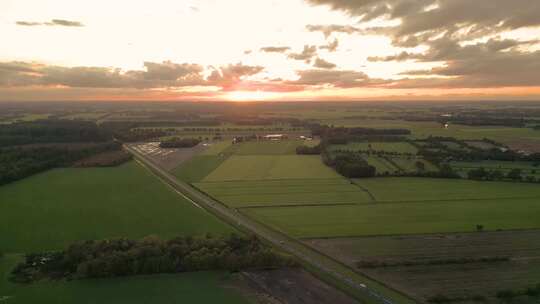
413,234
366,190
296,205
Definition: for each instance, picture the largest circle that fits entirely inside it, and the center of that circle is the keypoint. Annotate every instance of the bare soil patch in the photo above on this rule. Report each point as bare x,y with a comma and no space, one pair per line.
295,286
107,159
422,280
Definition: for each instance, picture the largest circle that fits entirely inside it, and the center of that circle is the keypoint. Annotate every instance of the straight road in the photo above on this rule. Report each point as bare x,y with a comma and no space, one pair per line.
280,240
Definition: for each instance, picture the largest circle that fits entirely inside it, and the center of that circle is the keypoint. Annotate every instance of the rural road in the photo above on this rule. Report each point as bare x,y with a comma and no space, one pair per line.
279,240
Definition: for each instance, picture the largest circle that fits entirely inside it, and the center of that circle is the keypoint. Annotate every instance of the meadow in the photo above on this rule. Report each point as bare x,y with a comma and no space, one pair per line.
267,147
240,194
51,210
401,218
264,167
198,167
410,189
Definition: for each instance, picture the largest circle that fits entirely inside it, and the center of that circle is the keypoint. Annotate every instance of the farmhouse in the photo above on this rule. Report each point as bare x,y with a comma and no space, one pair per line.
275,137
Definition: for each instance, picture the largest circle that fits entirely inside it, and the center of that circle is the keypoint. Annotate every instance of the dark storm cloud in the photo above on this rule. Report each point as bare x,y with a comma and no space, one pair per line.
275,49
54,22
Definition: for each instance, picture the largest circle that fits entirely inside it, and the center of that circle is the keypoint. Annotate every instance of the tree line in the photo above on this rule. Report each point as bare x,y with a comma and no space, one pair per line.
22,161
151,255
177,142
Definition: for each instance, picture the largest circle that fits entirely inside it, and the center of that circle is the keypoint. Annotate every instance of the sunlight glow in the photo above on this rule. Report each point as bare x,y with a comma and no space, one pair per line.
241,96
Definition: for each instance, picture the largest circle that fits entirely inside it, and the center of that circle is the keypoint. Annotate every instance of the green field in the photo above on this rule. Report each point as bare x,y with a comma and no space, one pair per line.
267,147
285,192
409,164
401,218
405,189
217,148
397,147
262,167
198,167
382,166
196,287
51,210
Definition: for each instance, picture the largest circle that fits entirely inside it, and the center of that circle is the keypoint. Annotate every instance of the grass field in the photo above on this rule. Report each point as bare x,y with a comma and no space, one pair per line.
382,166
409,165
217,148
253,167
401,218
397,147
285,192
267,147
50,210
425,281
197,168
196,287
409,189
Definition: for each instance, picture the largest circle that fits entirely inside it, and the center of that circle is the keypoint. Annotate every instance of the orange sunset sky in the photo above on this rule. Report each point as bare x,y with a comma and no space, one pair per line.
241,50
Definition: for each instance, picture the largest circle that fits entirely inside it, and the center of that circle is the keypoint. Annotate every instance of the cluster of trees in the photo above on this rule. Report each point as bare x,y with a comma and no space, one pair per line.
483,174
180,143
440,299
341,135
19,162
306,150
488,121
435,151
509,294
51,131
151,255
106,159
350,165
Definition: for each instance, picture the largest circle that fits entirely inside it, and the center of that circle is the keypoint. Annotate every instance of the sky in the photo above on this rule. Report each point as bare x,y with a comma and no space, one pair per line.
244,50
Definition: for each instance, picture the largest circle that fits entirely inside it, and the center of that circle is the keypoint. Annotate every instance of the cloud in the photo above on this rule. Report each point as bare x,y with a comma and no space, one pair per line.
328,30
307,54
54,22
334,78
423,20
231,75
494,63
275,49
323,64
331,47
154,75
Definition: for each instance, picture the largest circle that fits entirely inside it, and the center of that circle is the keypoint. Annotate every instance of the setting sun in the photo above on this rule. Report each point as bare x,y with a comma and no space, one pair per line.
242,96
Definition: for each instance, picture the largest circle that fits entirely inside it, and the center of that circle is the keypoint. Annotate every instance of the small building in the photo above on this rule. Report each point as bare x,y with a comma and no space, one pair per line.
275,137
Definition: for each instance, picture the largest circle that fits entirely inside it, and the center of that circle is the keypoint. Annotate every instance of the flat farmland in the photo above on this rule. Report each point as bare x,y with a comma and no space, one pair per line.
194,287
410,189
261,167
397,147
51,210
382,166
423,281
401,218
267,147
409,164
198,167
216,148
285,192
